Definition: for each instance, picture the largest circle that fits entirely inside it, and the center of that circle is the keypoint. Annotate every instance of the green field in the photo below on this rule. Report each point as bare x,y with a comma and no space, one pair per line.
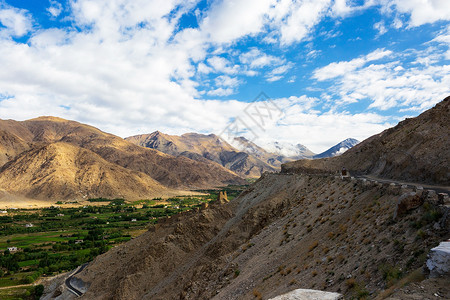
63,238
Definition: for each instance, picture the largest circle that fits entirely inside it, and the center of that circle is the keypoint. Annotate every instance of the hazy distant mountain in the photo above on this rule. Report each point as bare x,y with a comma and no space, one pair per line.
297,151
417,149
338,149
50,157
251,148
205,148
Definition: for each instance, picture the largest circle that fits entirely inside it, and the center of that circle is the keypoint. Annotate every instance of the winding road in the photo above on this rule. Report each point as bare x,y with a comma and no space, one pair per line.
69,286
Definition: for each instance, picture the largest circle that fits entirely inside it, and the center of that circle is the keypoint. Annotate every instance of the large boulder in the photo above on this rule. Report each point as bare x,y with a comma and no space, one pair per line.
304,294
439,260
407,202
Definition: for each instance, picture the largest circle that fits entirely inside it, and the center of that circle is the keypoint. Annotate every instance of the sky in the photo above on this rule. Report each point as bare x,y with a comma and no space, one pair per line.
313,72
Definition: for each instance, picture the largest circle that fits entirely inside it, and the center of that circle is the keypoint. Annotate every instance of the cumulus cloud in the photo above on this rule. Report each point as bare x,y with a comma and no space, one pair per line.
389,84
55,8
422,11
16,22
127,66
336,69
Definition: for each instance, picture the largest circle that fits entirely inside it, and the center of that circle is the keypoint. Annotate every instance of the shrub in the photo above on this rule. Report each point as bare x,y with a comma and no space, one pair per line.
257,294
313,246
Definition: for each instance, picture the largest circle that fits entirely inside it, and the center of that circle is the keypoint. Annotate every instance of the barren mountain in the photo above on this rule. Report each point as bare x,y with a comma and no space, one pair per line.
251,148
287,231
29,145
417,149
61,170
204,148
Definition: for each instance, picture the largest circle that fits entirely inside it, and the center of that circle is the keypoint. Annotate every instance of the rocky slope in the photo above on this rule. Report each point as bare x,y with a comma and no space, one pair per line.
205,148
53,157
417,149
285,232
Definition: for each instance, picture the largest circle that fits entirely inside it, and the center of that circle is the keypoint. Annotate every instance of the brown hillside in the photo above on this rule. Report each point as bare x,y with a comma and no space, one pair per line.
63,171
166,169
417,149
285,232
205,148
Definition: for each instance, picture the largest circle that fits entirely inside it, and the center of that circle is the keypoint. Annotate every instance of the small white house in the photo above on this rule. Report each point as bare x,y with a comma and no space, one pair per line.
29,225
133,220
3,212
60,215
79,241
12,249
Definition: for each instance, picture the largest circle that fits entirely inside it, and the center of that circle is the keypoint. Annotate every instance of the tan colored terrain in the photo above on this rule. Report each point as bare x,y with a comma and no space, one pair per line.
417,150
207,148
289,231
285,232
52,158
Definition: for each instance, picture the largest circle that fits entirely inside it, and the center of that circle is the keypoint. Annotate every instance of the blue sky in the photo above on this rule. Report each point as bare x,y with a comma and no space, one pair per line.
332,69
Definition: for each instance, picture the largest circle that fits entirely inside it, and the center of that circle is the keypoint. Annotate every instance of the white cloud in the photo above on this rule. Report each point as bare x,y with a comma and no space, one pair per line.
388,85
222,65
296,20
227,81
55,8
16,21
421,11
228,21
129,68
221,92
255,58
336,69
380,26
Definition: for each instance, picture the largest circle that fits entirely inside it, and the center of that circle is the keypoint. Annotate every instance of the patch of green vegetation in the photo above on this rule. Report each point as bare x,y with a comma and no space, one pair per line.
391,274
60,239
24,293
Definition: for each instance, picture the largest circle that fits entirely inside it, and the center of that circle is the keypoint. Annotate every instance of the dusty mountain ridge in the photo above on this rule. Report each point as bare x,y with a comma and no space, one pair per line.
242,156
52,157
287,231
417,149
210,147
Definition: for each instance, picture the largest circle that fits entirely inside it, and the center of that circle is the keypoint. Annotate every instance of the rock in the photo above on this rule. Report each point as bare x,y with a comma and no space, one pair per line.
304,294
407,202
443,198
439,260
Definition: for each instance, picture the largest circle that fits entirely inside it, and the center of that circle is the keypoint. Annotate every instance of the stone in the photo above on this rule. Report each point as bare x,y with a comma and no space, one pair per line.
305,294
438,262
406,202
443,198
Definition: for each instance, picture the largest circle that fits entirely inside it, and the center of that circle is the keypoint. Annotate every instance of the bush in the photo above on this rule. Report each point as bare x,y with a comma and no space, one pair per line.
38,291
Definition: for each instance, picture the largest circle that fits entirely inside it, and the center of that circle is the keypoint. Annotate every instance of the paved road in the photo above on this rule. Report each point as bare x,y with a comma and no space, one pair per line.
70,287
438,189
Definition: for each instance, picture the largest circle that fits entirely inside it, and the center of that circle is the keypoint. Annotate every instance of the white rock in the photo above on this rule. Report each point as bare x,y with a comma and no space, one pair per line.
439,260
304,294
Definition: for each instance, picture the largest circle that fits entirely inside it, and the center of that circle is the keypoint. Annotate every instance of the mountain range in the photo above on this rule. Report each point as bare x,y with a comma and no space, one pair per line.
241,156
52,158
299,230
